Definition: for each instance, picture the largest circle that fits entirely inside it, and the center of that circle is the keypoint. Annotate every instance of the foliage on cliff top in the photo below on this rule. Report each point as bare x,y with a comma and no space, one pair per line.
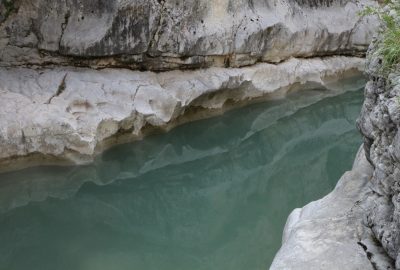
6,6
388,45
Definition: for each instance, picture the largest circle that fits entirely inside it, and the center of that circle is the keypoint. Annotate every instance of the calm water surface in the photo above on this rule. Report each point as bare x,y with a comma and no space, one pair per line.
212,194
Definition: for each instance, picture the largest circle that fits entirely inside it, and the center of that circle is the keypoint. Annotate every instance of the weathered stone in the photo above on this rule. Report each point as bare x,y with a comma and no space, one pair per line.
167,34
55,106
329,233
71,113
379,123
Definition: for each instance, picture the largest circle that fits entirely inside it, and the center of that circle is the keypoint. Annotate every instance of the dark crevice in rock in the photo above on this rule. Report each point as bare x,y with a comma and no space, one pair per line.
319,3
151,49
367,253
63,26
373,249
161,63
60,90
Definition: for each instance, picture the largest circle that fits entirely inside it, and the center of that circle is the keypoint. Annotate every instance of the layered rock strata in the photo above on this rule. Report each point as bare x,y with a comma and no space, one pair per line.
64,94
169,34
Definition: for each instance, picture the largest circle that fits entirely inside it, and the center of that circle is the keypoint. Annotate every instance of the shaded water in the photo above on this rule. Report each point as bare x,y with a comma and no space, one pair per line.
212,194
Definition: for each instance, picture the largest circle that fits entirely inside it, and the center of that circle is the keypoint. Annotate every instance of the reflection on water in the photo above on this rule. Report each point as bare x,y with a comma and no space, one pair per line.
213,194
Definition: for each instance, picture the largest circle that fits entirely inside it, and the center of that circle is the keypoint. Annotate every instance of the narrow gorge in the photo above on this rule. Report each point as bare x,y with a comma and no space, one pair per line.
100,167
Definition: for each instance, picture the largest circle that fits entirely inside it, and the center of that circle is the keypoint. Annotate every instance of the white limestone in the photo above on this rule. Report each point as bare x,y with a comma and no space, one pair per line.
70,114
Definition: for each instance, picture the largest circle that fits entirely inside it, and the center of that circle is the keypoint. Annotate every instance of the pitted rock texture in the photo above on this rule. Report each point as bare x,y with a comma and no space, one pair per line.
379,123
70,113
169,34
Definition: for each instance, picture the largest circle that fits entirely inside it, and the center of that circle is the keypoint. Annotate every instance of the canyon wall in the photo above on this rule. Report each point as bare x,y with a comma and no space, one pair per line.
374,214
379,123
168,34
78,76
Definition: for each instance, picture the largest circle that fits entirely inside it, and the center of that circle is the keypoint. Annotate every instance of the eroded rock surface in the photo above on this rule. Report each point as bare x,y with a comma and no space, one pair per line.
379,123
329,233
54,102
64,94
169,34
70,113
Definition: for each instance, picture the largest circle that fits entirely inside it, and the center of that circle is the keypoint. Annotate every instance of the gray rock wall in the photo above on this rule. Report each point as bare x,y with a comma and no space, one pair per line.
169,34
54,102
379,123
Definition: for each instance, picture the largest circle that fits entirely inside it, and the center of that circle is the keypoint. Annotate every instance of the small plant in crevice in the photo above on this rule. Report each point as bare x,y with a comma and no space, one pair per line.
388,45
8,6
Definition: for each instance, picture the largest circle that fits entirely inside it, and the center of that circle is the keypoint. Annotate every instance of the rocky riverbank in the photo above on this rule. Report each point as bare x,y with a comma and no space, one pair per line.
379,123
70,114
329,233
375,227
68,83
79,76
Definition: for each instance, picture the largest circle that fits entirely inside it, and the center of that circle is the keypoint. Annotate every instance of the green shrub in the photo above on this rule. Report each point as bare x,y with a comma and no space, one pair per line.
8,6
388,46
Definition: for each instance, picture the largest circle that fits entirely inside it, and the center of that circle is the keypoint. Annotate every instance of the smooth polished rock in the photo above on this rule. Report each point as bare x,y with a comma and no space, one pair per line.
326,234
72,113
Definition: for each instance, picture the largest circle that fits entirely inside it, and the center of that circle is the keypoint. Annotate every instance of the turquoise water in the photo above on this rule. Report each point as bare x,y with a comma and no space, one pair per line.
213,194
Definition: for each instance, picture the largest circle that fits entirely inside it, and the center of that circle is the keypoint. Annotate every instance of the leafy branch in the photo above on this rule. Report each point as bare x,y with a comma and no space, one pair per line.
388,46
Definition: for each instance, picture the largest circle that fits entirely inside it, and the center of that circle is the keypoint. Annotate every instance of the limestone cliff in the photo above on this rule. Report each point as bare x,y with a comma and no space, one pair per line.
69,79
72,83
379,123
169,34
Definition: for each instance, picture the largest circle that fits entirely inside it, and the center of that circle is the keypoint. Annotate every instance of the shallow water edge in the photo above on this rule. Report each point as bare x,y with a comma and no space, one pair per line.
211,194
58,139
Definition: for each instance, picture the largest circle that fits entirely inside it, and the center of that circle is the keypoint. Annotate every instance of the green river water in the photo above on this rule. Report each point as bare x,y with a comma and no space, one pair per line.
212,194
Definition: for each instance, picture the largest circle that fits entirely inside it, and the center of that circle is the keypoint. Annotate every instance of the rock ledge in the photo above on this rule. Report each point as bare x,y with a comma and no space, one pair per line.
71,114
330,233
